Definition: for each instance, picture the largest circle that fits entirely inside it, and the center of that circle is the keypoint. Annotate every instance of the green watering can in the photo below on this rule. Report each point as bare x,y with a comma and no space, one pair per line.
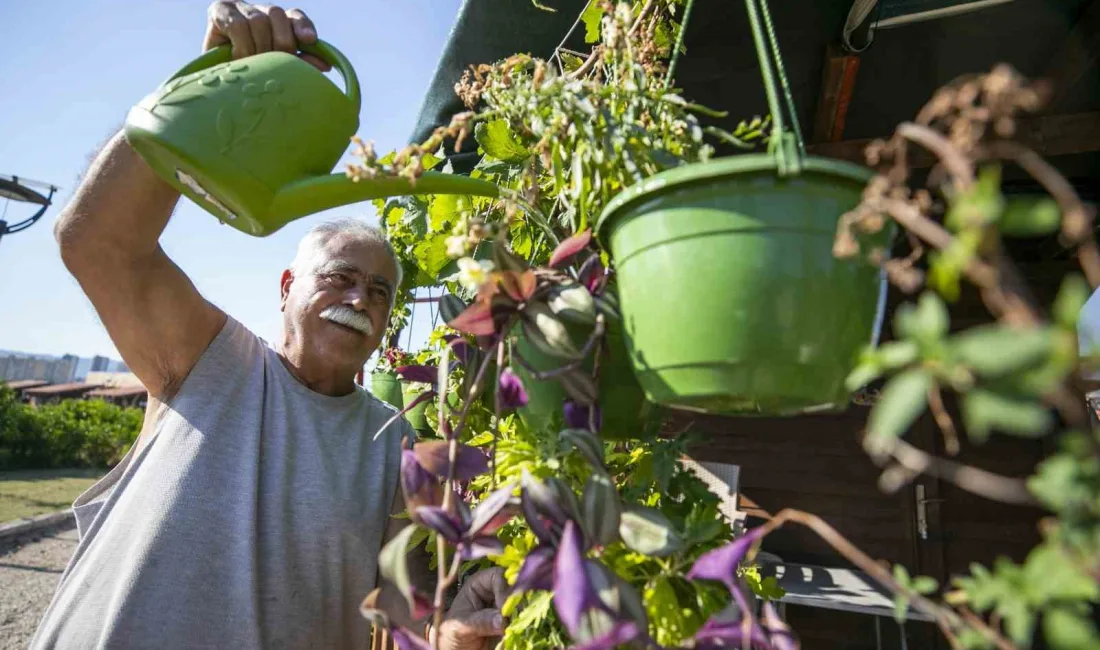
254,141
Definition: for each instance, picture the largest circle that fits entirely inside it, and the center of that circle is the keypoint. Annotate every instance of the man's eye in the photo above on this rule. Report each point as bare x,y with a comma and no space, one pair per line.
339,280
378,294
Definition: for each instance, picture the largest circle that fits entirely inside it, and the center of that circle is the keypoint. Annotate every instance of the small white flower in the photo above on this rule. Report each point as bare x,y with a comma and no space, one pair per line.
472,273
456,246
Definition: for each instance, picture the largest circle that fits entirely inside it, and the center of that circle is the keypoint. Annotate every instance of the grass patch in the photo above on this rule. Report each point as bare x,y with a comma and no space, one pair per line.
26,493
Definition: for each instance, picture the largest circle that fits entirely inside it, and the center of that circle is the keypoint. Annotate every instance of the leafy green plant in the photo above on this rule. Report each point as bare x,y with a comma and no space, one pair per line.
628,541
70,433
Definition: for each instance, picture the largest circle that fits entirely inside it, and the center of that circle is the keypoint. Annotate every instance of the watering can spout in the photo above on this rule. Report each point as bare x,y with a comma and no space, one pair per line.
319,193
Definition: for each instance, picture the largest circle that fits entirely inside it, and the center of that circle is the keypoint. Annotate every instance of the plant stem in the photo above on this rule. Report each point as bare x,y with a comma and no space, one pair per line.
679,44
946,618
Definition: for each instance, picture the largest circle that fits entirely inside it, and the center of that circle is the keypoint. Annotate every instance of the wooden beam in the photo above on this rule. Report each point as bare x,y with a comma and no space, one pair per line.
1078,52
838,80
1051,135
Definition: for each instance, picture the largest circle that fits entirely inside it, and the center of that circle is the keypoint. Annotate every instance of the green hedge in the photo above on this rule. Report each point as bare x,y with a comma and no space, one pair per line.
70,433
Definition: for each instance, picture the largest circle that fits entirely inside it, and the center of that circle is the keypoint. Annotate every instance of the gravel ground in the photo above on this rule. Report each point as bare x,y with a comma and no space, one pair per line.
28,577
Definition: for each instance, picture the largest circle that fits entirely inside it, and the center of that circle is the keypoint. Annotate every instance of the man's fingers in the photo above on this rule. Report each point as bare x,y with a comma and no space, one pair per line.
226,22
483,623
304,31
282,34
259,25
315,61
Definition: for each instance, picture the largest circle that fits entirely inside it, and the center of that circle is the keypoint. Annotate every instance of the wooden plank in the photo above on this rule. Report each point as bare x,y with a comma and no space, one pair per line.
1050,135
1077,54
838,80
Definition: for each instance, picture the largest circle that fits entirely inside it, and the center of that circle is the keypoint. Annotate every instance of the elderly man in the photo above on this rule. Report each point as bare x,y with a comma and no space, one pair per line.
251,510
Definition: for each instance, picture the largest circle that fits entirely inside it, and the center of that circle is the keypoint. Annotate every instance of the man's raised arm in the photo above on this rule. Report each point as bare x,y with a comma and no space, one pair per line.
108,236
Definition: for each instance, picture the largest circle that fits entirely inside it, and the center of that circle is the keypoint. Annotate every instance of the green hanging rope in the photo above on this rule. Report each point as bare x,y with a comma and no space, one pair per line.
788,149
782,73
679,43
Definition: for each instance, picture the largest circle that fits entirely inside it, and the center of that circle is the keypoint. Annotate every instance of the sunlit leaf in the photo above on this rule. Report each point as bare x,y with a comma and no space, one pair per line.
903,399
601,509
572,302
498,141
986,410
648,531
591,16
1026,217
997,350
393,563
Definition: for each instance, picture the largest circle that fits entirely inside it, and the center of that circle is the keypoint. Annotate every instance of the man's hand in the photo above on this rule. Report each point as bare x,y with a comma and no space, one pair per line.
474,621
253,29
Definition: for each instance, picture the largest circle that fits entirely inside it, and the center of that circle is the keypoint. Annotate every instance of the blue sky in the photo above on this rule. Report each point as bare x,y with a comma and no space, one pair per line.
73,70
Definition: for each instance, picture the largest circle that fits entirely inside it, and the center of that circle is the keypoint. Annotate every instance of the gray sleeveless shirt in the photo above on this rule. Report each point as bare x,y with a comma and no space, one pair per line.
251,519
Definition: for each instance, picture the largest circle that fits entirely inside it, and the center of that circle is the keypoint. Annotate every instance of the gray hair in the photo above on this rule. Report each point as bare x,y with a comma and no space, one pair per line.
322,233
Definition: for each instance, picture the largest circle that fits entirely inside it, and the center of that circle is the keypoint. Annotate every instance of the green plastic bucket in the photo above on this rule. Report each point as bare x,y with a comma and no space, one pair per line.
386,387
625,411
732,300
415,416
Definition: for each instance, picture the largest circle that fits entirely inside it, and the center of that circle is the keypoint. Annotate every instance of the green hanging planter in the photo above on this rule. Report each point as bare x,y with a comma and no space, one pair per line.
625,411
386,387
731,298
415,415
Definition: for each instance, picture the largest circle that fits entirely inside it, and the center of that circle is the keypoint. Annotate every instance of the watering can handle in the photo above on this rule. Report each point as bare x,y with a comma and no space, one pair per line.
326,52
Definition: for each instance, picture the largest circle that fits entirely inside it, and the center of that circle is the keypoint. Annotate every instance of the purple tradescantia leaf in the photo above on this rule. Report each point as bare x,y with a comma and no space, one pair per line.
422,374
543,511
484,520
537,571
778,631
433,456
570,247
512,393
460,347
441,522
413,477
592,273
406,640
721,563
573,591
730,634
479,547
577,416
622,632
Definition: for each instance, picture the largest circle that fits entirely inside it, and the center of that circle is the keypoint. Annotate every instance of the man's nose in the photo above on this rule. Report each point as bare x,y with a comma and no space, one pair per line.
356,298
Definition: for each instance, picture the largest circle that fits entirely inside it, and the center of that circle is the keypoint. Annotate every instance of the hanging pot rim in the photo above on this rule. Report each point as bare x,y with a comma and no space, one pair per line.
702,172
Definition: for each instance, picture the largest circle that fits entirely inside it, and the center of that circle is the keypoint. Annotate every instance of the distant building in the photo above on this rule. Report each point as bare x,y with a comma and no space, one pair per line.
63,370
100,364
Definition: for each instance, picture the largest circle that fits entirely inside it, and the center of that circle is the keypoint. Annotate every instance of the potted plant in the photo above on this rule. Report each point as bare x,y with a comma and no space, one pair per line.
606,543
383,379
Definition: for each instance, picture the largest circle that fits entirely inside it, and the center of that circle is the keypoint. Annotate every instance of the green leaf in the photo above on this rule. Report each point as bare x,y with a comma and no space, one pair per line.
996,350
902,401
1051,575
648,531
979,205
601,509
925,585
1058,483
572,302
985,410
1065,629
591,16
926,321
393,563
499,142
1027,217
863,374
1070,301
431,258
901,606
897,354
585,442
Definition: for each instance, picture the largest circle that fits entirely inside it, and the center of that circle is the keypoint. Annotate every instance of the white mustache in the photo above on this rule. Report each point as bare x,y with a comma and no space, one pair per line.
348,317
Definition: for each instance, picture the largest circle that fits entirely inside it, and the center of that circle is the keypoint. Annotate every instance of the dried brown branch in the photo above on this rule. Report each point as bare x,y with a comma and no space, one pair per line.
1077,219
588,63
946,618
979,481
960,168
943,420
642,16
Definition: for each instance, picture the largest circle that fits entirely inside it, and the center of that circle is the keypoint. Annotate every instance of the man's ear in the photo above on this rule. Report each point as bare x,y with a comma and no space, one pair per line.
284,288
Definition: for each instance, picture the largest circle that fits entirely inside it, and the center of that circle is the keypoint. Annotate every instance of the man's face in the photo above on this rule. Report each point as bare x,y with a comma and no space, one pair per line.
345,289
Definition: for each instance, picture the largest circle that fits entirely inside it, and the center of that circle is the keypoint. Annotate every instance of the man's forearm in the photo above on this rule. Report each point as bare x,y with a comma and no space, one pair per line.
119,211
